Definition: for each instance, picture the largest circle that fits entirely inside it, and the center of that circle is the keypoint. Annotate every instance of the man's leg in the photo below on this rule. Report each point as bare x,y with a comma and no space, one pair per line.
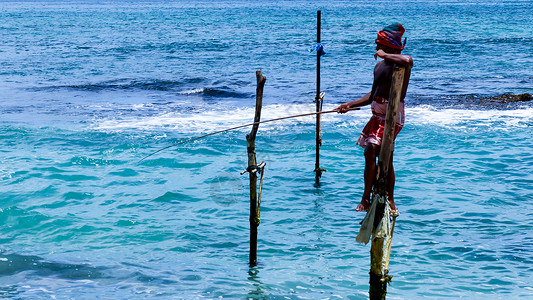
369,177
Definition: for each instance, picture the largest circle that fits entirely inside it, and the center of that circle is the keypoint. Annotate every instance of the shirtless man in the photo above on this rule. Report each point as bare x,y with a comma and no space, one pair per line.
389,47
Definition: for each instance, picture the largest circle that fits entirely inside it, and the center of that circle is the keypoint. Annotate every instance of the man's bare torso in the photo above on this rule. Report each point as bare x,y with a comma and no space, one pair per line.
383,78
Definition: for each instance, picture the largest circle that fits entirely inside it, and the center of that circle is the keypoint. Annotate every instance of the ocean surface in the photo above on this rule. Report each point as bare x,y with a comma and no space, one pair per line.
89,88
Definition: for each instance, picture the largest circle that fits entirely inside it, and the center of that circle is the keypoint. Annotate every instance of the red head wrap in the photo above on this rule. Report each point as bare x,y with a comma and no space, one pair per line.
391,36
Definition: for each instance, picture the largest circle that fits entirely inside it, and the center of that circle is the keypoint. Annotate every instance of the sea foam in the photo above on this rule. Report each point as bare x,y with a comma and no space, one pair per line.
222,117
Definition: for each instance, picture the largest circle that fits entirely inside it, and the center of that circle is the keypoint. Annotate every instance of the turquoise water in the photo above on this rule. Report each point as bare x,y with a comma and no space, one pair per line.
87,89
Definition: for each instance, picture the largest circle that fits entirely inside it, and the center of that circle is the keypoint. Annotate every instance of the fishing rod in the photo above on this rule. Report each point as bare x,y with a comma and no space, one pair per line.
241,126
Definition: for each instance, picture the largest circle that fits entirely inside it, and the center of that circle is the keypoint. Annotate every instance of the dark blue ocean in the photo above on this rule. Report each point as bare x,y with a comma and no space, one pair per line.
89,88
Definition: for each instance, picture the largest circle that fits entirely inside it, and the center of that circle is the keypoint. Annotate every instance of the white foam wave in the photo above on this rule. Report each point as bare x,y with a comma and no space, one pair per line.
449,117
213,119
192,92
217,118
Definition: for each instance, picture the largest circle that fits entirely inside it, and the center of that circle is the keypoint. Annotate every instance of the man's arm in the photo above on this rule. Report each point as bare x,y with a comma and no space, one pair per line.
400,59
365,100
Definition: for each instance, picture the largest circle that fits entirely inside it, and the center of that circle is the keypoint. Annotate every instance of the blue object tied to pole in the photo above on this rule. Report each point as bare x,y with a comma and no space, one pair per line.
318,48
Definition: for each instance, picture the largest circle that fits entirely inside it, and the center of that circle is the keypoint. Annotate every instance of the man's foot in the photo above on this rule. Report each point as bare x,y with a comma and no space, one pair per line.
364,205
394,212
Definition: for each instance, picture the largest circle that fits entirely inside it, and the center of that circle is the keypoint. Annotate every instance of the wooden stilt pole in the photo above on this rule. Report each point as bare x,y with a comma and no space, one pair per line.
318,100
378,273
252,163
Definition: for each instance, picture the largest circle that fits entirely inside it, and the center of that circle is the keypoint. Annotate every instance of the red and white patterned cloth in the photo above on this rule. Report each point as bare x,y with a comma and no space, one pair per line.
373,131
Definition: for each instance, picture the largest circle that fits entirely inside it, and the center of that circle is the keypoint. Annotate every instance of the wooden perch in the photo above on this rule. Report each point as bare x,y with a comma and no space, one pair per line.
378,275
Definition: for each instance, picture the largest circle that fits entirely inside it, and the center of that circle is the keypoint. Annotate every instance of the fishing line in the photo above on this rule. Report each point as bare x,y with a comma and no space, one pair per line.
241,126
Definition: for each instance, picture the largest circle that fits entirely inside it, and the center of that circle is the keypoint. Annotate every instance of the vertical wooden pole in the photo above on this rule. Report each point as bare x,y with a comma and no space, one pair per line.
250,141
318,170
390,120
378,278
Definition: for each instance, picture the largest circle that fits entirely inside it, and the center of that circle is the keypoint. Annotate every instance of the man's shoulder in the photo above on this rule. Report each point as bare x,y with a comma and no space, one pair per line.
383,66
379,64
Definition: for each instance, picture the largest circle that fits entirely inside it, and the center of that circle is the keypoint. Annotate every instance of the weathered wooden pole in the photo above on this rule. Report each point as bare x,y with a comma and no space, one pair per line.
252,168
318,100
379,277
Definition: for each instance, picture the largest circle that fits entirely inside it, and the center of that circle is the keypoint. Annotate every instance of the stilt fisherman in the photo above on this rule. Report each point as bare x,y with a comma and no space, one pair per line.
389,48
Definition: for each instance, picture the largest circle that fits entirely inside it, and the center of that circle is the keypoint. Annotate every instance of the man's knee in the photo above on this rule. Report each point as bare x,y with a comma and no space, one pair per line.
371,151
